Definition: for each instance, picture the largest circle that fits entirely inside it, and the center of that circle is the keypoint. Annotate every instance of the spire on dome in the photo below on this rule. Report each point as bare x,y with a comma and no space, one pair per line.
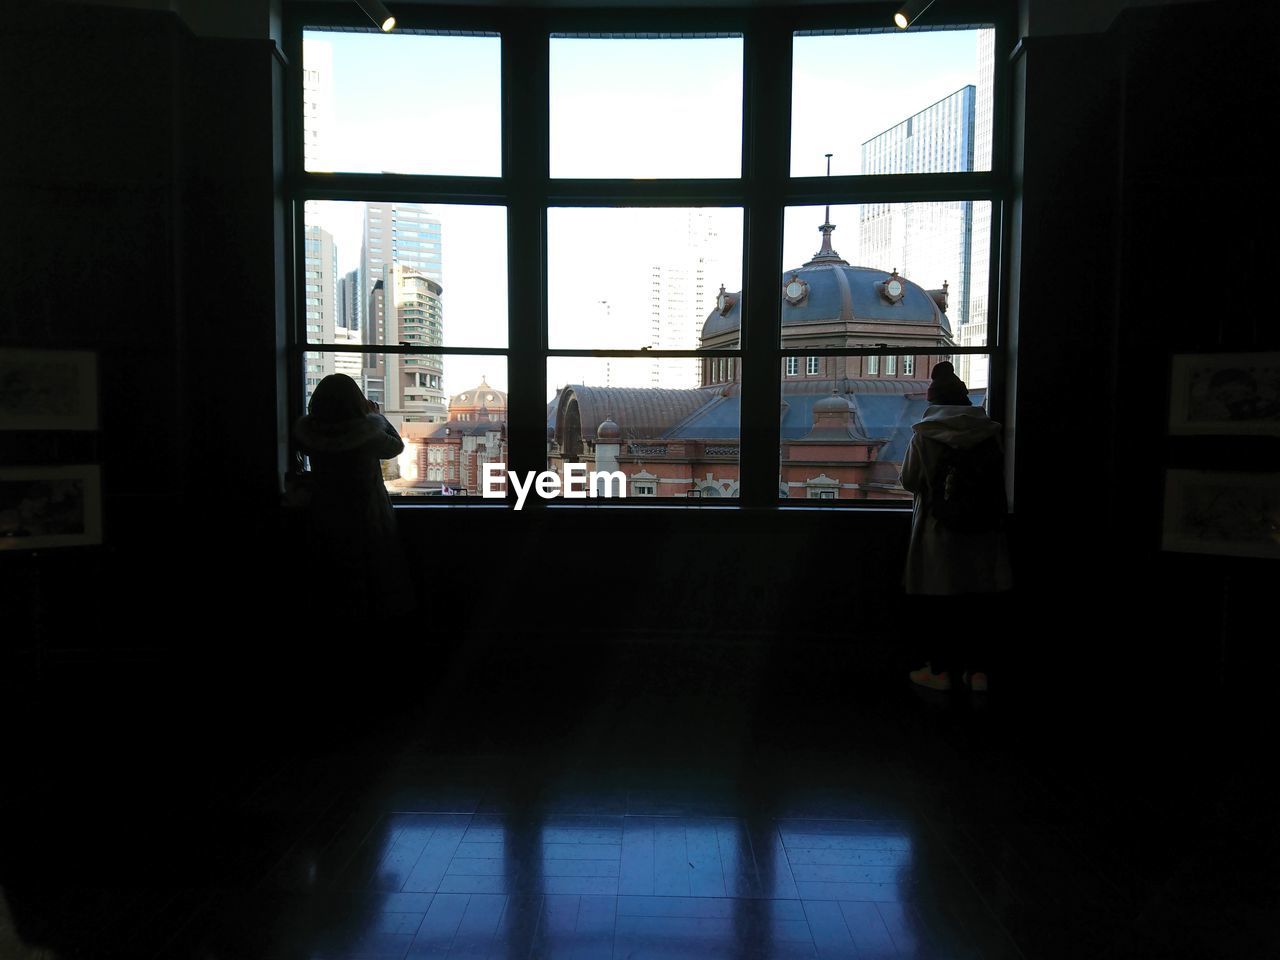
826,254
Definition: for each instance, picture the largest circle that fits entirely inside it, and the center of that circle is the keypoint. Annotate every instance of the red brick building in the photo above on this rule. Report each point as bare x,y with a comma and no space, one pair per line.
449,457
845,420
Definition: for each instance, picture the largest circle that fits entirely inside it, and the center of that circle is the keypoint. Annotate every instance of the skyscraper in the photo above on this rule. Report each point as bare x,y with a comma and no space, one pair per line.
929,243
973,332
401,240
414,385
349,301
320,293
348,324
682,291
940,242
317,105
403,233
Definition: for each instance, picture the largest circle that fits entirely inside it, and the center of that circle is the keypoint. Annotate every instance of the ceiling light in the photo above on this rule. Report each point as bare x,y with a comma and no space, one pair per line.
378,14
910,13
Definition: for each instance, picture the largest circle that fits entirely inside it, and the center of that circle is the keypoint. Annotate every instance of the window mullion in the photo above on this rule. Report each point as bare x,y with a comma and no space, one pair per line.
525,121
766,159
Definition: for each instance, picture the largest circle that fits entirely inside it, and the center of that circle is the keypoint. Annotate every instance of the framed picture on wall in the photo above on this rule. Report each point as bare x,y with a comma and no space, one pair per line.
54,506
1231,514
48,389
1225,393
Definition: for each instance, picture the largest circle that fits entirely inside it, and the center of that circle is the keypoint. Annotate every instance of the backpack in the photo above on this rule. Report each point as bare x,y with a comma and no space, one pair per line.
966,486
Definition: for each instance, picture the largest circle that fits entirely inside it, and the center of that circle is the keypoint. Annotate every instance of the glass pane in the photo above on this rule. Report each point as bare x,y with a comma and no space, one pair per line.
974,370
646,108
420,274
402,103
451,412
886,273
665,442
907,102
641,278
845,428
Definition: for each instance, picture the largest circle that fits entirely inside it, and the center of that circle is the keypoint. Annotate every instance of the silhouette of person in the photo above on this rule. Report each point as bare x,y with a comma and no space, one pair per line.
350,525
961,560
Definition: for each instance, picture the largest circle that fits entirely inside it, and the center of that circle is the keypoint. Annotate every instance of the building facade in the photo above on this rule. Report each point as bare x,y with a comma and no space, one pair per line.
845,421
320,302
413,384
929,243
448,457
317,105
347,327
402,233
947,242
681,291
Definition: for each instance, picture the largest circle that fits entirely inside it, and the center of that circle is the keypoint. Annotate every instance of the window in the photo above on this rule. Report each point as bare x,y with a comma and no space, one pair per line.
641,340
822,487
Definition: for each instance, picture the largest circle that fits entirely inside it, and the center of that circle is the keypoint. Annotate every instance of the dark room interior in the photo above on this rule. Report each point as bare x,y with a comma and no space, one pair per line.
620,730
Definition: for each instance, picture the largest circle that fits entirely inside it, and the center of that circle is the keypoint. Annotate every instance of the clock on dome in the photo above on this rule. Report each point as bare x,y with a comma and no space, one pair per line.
724,301
795,289
893,288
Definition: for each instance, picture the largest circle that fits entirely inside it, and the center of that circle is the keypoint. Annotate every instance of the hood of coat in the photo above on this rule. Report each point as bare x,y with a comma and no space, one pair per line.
956,426
341,436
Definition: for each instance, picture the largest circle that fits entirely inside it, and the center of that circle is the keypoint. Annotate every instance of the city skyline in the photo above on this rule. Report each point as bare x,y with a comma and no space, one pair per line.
474,249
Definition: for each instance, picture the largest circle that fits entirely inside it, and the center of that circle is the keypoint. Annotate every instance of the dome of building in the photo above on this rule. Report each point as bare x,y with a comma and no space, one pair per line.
827,289
608,431
481,395
832,404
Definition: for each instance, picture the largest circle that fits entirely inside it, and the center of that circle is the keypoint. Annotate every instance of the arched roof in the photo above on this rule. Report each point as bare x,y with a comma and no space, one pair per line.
638,411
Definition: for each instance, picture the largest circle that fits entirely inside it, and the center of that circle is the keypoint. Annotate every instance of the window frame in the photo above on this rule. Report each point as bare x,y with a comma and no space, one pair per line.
526,190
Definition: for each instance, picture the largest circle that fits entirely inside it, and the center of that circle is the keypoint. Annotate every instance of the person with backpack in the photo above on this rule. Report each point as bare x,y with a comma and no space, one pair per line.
954,465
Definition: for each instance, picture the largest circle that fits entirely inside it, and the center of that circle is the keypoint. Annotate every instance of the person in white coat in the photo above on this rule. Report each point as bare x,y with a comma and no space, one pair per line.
958,551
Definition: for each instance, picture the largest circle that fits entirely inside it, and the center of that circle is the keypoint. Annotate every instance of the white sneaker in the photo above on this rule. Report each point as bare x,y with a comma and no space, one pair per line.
925,677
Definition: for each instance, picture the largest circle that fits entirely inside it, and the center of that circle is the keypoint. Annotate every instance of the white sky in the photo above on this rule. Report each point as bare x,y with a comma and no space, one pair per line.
619,108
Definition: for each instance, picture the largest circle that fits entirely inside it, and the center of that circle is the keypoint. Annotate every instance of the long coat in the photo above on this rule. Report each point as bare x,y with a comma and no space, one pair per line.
940,559
350,538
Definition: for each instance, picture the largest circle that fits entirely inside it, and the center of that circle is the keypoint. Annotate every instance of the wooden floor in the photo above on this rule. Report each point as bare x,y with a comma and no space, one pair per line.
647,798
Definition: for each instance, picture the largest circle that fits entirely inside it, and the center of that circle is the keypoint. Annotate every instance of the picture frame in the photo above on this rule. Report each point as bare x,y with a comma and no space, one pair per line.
48,389
1233,514
50,506
1225,394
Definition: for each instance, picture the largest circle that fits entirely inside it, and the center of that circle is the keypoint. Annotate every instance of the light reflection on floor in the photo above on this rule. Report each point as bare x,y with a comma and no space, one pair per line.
480,885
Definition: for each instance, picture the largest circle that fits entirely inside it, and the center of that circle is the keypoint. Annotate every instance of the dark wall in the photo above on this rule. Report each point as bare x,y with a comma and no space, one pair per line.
90,240
142,219
1199,205
1142,180
137,185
